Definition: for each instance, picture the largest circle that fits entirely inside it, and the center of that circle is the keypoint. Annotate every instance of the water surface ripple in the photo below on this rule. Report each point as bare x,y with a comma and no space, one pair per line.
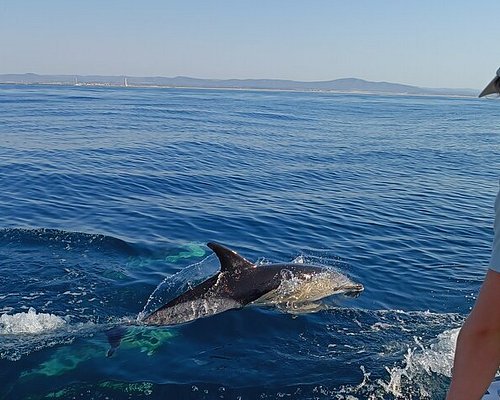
107,192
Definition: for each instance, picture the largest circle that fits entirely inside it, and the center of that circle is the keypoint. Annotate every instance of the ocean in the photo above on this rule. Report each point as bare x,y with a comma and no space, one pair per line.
108,197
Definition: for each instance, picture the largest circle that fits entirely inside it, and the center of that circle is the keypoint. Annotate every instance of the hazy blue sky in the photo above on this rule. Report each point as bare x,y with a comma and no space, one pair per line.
427,42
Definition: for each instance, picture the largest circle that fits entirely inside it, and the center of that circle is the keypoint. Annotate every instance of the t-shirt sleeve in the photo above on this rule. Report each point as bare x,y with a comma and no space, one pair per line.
495,253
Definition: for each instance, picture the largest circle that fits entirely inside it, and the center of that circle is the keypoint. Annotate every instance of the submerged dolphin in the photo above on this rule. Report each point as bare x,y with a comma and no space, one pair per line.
240,282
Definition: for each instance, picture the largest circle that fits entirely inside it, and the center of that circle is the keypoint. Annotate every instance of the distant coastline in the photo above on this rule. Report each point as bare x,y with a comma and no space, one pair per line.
344,85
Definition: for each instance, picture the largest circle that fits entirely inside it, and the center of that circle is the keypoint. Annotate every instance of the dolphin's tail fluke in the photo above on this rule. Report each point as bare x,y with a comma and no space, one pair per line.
115,336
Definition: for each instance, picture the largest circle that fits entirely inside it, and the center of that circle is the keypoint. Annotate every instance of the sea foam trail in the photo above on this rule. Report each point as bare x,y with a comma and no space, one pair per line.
421,361
29,323
26,332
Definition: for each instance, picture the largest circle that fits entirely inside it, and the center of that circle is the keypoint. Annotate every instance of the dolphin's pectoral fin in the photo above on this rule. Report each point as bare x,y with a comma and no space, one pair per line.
229,259
115,336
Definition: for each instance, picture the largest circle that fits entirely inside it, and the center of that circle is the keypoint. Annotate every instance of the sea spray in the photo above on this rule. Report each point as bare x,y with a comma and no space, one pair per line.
176,284
29,323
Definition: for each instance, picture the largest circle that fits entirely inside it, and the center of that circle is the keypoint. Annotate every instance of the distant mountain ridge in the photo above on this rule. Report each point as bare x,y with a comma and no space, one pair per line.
336,85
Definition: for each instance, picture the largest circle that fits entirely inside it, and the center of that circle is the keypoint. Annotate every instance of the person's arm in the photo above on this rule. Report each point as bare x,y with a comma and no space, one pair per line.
477,356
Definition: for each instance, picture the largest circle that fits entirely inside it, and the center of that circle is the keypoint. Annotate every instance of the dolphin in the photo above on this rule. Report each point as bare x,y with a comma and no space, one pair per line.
240,282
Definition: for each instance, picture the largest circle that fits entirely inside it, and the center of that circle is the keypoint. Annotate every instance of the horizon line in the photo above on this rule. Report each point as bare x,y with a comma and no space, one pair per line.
236,79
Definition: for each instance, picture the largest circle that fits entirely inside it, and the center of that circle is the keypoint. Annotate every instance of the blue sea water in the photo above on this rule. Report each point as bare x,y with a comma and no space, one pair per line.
109,195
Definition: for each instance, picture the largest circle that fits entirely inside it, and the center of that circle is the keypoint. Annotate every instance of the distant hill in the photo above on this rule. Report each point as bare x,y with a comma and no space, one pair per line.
337,85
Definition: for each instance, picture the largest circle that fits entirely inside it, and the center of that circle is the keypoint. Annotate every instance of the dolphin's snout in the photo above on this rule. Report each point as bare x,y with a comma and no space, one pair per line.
355,290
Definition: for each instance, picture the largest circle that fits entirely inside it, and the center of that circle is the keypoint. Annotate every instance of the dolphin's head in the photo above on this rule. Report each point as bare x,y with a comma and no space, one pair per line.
307,283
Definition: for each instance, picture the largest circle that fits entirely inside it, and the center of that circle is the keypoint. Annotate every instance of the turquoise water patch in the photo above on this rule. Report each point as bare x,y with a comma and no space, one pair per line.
189,251
193,251
147,339
68,358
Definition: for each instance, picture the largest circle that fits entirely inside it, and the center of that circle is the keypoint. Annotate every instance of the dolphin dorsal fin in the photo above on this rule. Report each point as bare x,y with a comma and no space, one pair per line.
229,259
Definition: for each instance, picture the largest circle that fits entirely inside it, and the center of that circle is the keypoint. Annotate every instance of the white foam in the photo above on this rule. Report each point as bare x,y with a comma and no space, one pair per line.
29,323
422,361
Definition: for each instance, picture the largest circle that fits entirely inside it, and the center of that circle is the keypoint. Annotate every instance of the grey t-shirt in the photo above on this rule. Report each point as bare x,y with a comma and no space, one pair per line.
495,253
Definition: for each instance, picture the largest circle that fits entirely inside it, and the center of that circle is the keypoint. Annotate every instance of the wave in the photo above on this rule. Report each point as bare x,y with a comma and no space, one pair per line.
423,373
65,239
420,362
260,115
415,349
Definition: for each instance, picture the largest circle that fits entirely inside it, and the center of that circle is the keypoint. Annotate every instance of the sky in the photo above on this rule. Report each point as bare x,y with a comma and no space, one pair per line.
428,43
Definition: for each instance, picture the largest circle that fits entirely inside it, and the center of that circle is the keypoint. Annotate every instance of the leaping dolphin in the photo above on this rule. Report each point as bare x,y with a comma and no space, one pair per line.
240,282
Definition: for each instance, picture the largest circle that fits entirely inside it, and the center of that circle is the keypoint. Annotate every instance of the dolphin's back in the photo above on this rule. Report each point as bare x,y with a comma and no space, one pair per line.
219,293
234,286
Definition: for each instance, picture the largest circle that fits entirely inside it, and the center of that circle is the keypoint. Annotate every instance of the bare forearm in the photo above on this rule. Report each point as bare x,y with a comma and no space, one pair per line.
476,362
477,355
